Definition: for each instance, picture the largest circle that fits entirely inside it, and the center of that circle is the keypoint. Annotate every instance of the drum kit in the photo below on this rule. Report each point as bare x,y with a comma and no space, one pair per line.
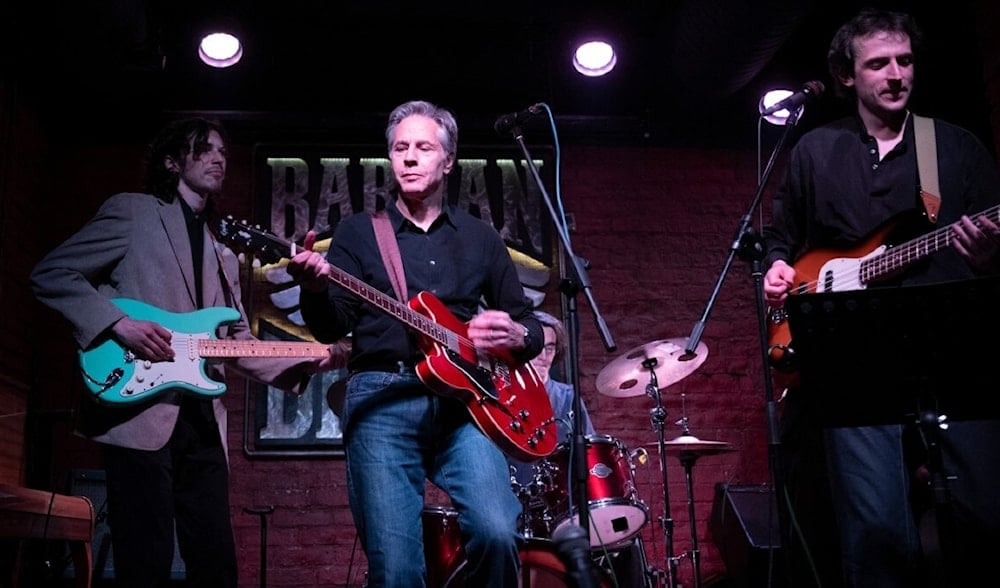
617,514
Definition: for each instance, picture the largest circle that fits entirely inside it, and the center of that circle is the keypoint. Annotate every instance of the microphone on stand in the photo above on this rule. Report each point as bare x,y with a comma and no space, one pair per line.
506,122
573,547
809,91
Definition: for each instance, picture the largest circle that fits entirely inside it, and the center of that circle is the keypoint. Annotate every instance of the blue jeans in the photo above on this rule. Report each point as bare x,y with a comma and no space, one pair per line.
398,433
883,530
870,489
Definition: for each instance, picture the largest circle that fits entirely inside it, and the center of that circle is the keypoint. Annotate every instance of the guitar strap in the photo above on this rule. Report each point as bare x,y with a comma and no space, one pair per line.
389,249
927,171
224,277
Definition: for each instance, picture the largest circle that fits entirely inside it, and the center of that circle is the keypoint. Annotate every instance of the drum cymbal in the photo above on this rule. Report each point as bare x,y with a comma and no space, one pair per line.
692,444
627,376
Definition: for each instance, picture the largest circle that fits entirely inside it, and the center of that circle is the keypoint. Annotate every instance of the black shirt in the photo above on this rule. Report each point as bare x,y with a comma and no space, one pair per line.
461,260
837,192
195,226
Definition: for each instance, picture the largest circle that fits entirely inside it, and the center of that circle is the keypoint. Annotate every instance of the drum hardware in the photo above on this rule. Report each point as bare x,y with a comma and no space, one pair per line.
666,361
621,377
688,449
657,416
616,512
628,566
445,556
443,552
539,498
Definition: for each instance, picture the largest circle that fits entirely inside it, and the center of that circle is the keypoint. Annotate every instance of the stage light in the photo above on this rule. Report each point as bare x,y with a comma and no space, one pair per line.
594,58
220,50
772,97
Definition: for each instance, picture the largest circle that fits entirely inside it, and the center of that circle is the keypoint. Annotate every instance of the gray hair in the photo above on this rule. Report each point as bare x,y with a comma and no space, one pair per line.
448,128
556,325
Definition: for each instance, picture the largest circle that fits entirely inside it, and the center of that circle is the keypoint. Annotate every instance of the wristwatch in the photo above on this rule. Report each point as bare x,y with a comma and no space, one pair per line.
527,336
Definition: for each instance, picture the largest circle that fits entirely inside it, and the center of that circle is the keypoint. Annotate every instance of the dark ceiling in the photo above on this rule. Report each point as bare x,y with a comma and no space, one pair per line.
690,71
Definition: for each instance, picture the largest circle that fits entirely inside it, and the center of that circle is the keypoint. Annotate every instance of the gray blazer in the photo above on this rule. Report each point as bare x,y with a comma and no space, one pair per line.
137,246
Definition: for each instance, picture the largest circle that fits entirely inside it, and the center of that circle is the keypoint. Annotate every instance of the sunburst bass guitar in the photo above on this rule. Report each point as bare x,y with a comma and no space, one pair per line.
838,270
506,399
115,376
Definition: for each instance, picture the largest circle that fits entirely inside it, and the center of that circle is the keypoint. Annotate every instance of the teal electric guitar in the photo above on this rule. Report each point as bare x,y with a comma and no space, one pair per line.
114,375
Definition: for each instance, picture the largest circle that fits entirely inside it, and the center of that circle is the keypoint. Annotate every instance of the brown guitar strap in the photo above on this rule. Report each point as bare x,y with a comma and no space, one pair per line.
389,249
930,192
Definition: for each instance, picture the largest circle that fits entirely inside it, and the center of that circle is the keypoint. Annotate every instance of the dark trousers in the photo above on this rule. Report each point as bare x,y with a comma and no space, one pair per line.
186,483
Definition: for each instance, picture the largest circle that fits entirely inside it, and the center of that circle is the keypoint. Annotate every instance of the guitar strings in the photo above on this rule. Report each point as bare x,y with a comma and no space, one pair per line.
909,251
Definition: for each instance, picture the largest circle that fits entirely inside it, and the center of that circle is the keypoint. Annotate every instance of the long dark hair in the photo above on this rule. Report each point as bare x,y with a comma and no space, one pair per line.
176,140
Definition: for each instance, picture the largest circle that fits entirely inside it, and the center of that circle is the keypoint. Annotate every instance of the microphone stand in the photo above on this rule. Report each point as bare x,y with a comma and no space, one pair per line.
750,247
569,287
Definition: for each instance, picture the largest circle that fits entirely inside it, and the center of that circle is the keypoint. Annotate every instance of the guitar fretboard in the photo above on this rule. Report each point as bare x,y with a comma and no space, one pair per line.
230,348
420,323
902,255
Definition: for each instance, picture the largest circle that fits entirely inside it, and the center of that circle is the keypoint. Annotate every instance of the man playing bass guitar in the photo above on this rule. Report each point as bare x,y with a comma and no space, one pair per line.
845,181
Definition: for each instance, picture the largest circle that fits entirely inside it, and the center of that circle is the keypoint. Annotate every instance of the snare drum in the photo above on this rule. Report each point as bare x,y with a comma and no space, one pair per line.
617,514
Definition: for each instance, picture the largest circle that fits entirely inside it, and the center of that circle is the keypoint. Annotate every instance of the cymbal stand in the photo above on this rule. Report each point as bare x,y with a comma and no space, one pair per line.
658,416
687,459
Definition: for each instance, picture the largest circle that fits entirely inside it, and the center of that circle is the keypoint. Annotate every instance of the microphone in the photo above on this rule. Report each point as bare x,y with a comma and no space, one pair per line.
506,122
573,549
808,92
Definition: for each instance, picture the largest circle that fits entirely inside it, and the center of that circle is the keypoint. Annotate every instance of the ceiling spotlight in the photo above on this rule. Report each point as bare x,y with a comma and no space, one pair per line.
594,58
220,50
780,117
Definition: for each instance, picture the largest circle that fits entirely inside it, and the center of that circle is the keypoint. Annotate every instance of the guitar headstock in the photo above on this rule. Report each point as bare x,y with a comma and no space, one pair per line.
252,240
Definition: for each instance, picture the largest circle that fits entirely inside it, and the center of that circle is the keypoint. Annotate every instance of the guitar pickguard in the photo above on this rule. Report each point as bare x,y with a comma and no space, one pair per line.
115,376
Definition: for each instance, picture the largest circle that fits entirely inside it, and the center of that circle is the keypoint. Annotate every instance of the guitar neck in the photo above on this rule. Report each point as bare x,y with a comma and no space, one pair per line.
233,348
904,254
272,248
411,318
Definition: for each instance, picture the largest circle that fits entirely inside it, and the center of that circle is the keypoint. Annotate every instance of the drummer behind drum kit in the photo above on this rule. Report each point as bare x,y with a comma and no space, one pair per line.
617,514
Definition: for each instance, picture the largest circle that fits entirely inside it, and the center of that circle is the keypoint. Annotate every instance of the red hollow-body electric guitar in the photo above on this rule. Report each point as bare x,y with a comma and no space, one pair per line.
506,399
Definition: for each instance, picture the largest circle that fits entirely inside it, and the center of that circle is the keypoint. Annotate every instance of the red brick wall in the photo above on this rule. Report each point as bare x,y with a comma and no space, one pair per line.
655,223
656,226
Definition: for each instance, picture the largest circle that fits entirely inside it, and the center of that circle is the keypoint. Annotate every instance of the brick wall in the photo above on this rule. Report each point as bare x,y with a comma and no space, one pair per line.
656,226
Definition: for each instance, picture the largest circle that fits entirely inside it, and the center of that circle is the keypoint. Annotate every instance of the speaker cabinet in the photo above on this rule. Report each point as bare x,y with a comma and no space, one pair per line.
93,485
745,527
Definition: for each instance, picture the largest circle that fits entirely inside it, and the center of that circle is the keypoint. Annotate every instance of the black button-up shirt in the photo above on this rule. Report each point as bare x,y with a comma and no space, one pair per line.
460,259
838,192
